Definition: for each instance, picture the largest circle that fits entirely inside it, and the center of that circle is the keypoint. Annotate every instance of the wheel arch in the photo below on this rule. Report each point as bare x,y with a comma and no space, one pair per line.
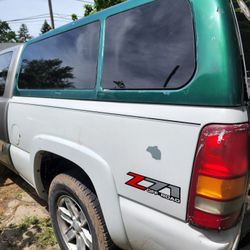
93,167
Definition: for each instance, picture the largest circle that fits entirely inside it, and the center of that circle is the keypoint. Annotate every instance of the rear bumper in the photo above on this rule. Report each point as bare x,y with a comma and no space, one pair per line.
148,229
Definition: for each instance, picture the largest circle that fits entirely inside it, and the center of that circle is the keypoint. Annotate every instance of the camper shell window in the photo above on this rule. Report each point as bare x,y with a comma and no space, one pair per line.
64,61
150,47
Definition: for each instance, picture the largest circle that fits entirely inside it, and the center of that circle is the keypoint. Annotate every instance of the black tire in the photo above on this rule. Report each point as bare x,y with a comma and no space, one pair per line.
70,203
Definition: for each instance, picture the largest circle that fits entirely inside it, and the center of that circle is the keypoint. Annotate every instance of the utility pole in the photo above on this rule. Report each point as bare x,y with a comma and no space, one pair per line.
51,15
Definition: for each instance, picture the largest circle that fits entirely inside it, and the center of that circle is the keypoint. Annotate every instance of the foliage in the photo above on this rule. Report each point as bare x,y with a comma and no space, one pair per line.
97,6
100,5
45,235
74,17
244,25
6,34
23,34
32,233
89,9
29,221
46,74
45,27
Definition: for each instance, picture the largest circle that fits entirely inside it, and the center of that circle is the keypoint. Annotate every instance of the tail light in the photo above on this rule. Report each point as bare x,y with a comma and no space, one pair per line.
219,178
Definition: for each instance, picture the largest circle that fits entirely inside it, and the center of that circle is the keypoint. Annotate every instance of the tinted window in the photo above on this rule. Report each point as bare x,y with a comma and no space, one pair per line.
64,61
150,47
5,60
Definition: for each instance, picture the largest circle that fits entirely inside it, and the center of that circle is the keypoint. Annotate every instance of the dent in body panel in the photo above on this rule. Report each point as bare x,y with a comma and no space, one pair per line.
221,132
163,232
100,132
81,128
97,130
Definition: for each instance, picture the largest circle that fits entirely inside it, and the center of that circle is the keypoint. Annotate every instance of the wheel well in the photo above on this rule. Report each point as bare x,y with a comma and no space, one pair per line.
52,165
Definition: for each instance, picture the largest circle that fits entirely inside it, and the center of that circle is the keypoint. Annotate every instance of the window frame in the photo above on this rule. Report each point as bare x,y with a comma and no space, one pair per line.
132,91
61,93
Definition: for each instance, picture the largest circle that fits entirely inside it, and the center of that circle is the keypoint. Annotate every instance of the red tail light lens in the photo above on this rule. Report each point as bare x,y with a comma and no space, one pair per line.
219,176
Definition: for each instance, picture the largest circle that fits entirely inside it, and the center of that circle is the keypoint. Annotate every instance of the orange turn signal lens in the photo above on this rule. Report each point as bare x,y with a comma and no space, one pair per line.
221,189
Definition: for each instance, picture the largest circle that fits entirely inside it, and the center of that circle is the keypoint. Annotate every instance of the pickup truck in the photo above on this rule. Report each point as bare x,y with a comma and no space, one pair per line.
133,124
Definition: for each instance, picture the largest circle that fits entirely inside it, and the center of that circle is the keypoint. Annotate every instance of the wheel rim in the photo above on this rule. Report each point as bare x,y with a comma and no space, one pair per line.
73,224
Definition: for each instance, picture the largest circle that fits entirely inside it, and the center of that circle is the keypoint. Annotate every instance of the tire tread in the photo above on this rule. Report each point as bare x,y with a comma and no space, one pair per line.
92,201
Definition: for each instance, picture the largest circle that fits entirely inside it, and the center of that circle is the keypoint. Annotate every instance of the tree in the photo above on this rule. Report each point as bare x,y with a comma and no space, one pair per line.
45,27
97,6
74,17
100,5
89,9
244,25
23,34
6,34
44,74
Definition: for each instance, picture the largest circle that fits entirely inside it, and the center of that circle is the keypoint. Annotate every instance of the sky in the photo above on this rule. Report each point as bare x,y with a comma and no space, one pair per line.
36,11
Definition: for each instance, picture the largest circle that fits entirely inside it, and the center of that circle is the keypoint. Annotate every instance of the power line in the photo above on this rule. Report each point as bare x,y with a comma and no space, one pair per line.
83,1
40,16
40,21
28,18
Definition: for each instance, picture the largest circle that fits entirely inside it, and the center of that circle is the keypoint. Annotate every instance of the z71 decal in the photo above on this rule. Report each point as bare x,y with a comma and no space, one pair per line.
164,190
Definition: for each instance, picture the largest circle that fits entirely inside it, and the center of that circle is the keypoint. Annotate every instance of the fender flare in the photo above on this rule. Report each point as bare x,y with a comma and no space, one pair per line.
98,171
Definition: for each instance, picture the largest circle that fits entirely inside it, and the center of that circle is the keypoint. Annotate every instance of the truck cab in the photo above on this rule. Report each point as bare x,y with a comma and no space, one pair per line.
8,67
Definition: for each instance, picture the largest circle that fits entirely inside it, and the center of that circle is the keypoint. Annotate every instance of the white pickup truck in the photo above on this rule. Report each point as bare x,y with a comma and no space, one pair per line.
133,124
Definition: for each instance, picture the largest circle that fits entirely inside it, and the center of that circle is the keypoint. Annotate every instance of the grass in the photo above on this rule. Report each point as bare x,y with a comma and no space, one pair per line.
28,222
19,195
33,232
44,235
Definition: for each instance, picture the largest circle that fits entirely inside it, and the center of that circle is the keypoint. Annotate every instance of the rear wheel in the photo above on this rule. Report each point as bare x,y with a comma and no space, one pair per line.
76,216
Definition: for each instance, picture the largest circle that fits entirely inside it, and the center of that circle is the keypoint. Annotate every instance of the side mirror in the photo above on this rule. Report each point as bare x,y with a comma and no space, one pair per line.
244,8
